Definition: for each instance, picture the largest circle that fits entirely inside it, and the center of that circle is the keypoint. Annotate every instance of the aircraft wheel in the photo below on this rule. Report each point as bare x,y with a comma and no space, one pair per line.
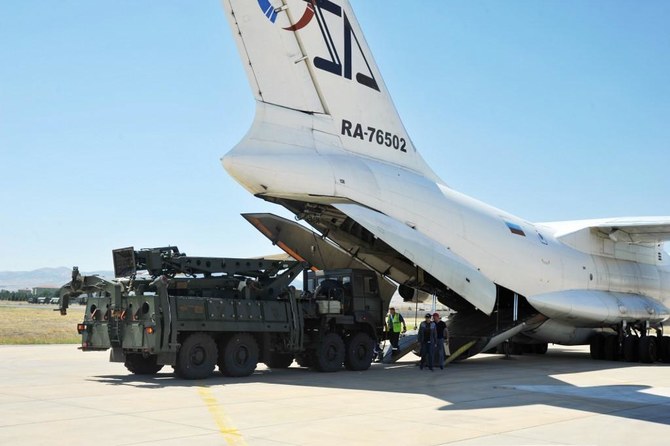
597,346
279,360
648,351
360,349
196,357
611,347
631,352
239,356
140,365
330,353
540,349
664,349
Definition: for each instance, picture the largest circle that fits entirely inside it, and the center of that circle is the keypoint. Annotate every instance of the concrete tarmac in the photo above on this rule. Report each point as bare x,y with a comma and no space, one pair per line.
59,395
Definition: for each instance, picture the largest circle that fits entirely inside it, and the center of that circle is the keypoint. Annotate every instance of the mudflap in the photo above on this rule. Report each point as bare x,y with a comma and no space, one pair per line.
116,355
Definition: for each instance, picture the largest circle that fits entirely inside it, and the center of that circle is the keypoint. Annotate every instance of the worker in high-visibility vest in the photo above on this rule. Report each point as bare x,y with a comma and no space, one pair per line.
395,324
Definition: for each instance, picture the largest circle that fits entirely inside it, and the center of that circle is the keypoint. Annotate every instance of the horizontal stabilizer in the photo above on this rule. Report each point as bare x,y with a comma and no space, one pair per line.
449,268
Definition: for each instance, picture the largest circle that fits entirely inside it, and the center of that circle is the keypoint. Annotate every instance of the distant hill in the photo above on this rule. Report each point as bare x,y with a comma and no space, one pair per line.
43,277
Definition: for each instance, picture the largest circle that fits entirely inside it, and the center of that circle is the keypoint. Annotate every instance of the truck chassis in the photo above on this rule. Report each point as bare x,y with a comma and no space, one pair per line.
196,313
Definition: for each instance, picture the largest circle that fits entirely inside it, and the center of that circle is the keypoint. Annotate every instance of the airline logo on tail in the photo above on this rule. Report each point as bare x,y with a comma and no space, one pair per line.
333,63
271,13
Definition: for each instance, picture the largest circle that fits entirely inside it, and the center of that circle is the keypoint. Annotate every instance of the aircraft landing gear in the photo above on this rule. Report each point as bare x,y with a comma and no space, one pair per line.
632,344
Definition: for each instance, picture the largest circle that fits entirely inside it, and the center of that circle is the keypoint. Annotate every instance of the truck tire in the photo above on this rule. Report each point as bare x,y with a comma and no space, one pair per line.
140,365
359,352
279,360
196,357
330,353
239,355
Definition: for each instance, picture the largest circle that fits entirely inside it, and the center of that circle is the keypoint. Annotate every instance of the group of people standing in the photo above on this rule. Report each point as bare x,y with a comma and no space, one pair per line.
433,337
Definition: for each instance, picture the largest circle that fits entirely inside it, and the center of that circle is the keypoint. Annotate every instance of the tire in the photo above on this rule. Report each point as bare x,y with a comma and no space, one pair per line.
516,349
597,346
140,365
239,355
279,360
611,348
664,349
631,352
648,351
359,352
540,349
329,354
196,357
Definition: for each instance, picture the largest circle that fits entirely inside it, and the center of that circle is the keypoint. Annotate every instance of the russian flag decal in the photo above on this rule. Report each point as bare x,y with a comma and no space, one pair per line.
516,229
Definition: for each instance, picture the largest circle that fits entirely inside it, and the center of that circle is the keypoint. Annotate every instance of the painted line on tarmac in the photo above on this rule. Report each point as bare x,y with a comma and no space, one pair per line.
225,425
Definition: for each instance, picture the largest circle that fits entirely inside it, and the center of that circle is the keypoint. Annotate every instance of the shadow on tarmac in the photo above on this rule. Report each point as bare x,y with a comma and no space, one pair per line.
485,381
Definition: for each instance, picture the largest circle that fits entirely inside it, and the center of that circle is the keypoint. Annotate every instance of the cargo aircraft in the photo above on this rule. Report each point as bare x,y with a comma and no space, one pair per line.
328,144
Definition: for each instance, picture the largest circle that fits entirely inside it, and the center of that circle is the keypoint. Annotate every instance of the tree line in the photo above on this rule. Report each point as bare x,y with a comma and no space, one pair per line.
23,295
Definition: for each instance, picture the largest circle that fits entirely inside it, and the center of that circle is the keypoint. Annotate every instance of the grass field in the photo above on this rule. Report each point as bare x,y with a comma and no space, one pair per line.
22,323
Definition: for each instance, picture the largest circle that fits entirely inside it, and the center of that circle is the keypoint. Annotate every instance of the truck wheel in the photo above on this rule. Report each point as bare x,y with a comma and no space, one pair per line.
279,360
359,352
330,353
140,365
239,355
196,357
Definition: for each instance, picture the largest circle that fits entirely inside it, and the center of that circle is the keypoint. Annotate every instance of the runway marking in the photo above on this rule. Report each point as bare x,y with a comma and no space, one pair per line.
229,432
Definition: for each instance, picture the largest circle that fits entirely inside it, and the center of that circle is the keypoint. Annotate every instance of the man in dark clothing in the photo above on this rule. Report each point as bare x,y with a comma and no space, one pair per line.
428,339
442,336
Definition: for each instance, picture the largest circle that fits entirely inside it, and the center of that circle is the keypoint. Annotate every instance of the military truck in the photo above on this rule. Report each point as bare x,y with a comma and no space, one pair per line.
195,313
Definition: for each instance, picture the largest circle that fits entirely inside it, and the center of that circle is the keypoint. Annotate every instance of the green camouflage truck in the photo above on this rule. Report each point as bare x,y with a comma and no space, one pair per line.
196,313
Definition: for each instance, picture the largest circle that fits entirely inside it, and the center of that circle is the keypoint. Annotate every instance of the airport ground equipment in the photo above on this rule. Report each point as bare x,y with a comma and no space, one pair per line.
195,313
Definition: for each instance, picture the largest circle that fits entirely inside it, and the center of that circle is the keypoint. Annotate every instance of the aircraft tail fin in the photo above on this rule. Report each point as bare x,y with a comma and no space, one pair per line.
310,56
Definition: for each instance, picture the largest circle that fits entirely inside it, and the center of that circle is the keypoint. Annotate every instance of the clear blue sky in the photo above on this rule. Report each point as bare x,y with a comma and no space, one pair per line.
113,116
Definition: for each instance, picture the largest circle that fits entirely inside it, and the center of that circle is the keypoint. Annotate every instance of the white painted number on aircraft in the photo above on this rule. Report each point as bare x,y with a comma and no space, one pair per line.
372,134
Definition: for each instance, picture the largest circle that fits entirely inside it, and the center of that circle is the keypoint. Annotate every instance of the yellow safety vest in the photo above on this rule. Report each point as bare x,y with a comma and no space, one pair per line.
395,320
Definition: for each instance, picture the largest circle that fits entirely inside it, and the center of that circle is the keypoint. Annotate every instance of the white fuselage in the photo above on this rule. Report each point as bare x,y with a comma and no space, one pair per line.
531,260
